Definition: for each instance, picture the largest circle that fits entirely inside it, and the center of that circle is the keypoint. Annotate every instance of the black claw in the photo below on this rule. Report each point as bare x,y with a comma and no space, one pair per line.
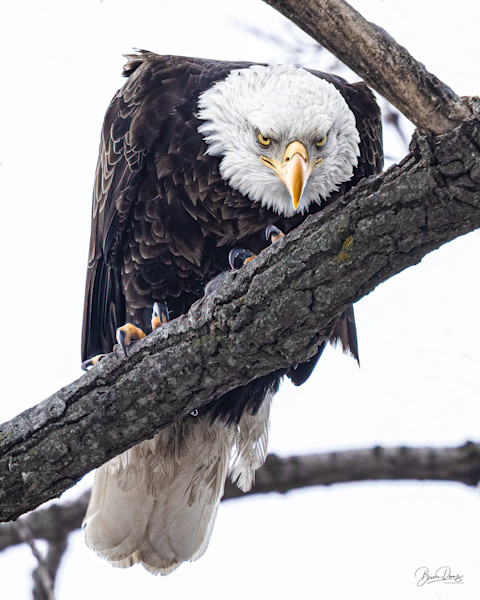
121,335
272,231
160,311
237,257
91,362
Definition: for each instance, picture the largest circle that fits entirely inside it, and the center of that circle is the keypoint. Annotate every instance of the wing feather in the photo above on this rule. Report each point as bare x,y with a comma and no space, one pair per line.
155,107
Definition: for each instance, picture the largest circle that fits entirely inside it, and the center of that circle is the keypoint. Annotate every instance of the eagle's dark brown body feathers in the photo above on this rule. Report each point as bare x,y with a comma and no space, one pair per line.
164,221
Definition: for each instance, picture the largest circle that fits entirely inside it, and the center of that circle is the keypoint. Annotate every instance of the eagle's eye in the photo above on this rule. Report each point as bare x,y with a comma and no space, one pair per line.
322,141
263,140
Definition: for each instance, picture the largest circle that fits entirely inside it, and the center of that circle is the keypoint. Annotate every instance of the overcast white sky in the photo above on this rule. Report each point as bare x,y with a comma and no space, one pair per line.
418,333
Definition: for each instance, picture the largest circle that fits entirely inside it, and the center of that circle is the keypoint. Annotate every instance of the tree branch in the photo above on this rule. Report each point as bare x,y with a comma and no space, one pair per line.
46,572
282,475
461,464
52,524
385,65
272,313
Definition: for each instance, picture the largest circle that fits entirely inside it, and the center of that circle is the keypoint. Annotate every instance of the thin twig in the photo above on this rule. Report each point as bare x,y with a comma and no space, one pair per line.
42,580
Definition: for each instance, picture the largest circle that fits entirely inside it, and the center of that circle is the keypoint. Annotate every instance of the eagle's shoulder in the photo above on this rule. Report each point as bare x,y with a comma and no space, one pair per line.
160,88
183,75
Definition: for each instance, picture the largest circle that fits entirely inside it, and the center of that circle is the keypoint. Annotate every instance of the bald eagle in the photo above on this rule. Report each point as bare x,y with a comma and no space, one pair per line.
198,158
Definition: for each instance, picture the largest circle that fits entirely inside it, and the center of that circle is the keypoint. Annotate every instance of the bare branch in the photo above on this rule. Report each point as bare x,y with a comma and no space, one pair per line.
272,313
43,586
461,464
52,524
42,581
385,65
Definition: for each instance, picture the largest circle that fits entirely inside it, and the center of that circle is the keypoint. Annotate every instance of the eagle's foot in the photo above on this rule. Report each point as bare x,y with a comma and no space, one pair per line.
159,315
91,362
236,258
239,257
273,234
128,334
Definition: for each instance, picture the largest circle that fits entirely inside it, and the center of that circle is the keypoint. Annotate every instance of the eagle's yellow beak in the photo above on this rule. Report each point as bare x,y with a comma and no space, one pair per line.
293,170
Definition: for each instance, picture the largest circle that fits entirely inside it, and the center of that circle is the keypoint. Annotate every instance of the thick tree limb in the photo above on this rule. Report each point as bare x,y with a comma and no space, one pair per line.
385,65
270,314
461,464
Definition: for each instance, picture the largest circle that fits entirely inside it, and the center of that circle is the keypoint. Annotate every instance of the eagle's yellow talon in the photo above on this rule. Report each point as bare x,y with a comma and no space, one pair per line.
159,315
129,334
273,234
91,362
238,257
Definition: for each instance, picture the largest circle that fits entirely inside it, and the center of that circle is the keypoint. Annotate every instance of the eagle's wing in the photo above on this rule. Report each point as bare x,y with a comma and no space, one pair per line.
148,123
118,167
369,124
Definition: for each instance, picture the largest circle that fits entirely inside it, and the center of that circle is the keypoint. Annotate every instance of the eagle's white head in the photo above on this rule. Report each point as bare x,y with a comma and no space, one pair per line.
286,137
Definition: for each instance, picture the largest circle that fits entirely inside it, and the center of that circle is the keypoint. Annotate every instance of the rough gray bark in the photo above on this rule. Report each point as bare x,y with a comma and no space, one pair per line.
272,313
385,65
461,464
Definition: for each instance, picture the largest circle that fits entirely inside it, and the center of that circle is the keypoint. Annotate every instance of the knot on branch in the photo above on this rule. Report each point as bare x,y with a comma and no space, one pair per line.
455,155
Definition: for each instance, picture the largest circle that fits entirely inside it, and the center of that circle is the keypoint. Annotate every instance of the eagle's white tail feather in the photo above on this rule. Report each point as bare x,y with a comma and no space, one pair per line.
156,503
250,449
